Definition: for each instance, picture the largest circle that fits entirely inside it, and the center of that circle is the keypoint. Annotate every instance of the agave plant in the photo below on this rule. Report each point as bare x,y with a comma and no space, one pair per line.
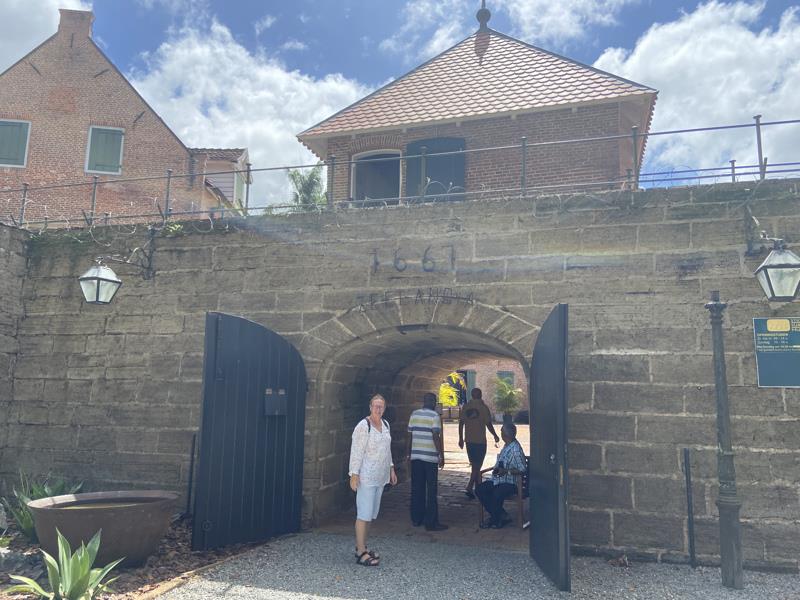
30,489
72,576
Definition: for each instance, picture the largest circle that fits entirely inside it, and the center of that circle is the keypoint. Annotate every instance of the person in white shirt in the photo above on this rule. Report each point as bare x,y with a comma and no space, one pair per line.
371,468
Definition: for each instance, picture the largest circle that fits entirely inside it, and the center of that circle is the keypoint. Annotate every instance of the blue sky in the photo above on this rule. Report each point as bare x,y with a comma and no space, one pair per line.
255,74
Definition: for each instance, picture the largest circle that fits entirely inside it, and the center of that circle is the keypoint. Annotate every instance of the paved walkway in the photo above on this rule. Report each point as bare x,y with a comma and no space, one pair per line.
321,566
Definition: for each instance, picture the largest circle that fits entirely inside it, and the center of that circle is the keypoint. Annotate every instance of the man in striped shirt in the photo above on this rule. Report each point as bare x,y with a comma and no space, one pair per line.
426,455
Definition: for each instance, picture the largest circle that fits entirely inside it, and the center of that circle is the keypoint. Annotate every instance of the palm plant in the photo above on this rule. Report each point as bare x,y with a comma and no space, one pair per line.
307,184
507,398
71,577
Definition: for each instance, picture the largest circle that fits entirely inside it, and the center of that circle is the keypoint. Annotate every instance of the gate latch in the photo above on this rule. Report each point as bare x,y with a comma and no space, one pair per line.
275,403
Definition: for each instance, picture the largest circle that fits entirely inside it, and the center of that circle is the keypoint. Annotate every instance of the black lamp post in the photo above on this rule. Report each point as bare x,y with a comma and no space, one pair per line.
730,531
779,274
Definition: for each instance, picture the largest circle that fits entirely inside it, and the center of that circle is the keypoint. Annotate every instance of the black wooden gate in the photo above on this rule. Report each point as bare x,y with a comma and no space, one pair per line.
250,467
549,475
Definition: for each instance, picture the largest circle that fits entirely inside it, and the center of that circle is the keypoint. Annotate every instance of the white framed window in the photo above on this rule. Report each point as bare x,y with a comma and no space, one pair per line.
375,175
104,150
14,138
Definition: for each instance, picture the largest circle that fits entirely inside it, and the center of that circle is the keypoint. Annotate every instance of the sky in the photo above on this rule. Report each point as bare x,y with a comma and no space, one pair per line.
255,73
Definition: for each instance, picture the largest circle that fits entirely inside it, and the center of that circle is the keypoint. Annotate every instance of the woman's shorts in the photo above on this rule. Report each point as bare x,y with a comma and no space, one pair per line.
368,502
476,454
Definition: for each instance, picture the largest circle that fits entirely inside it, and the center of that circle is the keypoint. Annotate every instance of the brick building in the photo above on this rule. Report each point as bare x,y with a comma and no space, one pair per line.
487,91
67,115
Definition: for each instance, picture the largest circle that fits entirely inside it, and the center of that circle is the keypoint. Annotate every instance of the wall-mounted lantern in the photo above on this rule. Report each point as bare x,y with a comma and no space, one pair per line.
779,274
99,284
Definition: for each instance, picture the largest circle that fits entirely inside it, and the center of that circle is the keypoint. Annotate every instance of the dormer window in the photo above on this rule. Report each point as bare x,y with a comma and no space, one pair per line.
376,175
14,137
104,154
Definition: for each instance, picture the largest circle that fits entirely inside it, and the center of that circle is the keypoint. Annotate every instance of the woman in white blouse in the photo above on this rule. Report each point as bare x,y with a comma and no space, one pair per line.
371,469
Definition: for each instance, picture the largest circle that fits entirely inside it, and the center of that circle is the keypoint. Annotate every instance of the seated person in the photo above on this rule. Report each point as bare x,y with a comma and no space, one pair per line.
492,493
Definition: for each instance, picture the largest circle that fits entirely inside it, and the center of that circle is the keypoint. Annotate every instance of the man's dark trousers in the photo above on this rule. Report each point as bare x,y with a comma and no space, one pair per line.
424,484
492,497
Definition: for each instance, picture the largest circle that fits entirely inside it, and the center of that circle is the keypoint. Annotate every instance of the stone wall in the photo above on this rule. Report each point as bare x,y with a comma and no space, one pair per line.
12,275
112,394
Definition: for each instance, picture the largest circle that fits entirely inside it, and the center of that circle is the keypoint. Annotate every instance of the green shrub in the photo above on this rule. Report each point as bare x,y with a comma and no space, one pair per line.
31,489
72,576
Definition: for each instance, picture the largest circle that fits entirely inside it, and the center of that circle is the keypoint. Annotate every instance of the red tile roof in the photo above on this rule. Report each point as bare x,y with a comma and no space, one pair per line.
510,76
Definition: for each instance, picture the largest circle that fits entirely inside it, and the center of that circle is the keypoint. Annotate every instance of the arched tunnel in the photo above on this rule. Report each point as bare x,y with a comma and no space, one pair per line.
402,363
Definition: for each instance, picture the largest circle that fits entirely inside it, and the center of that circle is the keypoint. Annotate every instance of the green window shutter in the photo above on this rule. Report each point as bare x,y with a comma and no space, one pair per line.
13,143
104,150
507,375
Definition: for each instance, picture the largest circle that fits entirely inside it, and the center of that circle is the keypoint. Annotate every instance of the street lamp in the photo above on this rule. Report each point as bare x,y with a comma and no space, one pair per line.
99,284
730,529
779,274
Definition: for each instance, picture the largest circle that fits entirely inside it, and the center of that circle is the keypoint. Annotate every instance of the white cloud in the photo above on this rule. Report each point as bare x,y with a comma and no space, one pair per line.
294,45
213,92
431,26
713,67
545,22
414,40
24,24
264,23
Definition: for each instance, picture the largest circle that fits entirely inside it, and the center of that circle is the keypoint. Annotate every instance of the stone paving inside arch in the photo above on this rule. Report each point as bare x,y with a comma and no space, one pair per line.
455,510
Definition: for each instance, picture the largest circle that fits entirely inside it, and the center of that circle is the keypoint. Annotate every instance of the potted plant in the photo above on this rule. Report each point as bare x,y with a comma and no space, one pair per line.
507,398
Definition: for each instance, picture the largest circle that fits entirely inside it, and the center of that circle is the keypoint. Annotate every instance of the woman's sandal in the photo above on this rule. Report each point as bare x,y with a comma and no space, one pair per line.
372,553
367,560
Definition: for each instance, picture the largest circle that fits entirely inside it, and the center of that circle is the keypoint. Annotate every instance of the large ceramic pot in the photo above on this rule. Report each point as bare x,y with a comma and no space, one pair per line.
132,522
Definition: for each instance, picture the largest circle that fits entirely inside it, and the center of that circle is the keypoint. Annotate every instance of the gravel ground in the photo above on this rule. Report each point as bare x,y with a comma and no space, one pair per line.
319,566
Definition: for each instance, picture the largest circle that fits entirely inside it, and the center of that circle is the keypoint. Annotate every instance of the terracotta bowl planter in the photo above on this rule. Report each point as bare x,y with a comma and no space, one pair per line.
133,522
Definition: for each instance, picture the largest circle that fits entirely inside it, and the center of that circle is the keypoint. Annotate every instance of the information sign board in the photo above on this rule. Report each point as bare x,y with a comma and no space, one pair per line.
777,351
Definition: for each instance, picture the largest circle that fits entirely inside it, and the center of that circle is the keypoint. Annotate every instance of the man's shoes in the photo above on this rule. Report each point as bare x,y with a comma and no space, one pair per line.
416,524
502,522
469,494
437,527
487,523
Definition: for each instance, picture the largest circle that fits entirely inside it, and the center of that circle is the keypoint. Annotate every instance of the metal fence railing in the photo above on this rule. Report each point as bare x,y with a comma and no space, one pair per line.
84,203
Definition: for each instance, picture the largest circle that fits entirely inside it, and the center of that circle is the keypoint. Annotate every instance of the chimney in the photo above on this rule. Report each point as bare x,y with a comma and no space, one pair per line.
76,22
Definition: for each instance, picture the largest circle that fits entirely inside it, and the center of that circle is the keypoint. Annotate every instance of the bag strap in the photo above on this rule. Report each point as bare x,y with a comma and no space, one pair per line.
369,425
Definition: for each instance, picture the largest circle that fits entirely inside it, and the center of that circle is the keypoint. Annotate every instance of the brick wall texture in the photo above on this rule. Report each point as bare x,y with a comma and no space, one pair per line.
112,394
63,88
557,165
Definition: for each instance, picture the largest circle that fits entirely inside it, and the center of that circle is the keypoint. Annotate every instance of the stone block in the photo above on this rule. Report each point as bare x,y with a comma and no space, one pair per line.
556,241
609,367
592,527
642,459
646,531
666,236
644,398
513,244
584,457
647,339
191,368
168,259
136,440
605,266
535,268
698,264
97,439
707,539
719,233
175,441
592,426
690,368
609,239
482,271
677,430
600,491
579,395
777,434
667,496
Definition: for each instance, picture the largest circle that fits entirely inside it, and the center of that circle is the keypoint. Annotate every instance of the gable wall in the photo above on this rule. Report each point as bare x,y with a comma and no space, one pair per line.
501,169
63,88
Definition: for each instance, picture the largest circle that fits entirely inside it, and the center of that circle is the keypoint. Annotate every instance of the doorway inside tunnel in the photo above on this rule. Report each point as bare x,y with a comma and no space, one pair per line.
404,362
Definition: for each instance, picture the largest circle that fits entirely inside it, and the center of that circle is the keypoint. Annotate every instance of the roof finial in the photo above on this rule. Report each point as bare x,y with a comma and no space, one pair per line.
483,16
